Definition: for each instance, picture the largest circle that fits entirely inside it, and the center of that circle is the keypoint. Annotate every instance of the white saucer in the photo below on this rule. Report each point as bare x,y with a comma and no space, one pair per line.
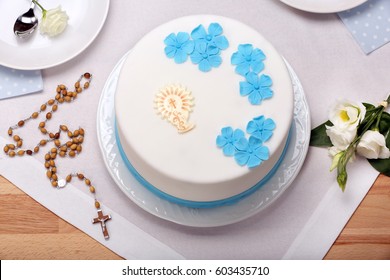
86,19
219,216
323,6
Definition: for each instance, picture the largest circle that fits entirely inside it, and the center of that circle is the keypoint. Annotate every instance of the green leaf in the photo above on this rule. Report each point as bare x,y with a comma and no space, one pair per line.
318,137
368,106
381,165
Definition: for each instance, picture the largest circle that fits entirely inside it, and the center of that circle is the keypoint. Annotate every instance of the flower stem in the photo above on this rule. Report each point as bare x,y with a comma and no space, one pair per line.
40,6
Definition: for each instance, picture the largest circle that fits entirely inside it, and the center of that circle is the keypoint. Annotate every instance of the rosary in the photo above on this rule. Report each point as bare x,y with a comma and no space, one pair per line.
69,149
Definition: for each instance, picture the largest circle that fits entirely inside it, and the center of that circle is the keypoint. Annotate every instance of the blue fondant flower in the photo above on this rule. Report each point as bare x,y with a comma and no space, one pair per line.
205,56
178,46
251,152
248,59
257,88
228,139
261,128
212,38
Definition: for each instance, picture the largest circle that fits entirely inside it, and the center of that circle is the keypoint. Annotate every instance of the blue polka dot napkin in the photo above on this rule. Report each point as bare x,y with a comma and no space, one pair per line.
369,24
19,82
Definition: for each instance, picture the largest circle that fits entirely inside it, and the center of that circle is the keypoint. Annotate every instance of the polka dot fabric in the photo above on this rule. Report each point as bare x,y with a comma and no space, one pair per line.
19,82
369,24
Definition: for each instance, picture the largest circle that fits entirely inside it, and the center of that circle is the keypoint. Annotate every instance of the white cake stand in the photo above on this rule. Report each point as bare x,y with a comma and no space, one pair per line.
224,215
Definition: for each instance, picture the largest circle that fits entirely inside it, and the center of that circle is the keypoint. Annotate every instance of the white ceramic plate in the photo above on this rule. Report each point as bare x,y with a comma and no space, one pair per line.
324,6
86,18
219,216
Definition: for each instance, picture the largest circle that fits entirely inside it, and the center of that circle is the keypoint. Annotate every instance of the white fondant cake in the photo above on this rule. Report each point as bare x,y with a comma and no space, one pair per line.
189,168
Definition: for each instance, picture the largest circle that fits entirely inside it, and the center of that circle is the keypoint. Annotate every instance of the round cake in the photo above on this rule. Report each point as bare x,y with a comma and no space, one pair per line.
204,106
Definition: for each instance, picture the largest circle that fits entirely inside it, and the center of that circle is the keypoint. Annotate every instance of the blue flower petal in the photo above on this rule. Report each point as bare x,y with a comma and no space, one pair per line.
170,51
241,144
245,88
227,131
221,42
258,55
253,161
245,49
221,141
212,50
241,158
182,37
238,134
204,65
180,56
237,58
265,135
259,119
269,124
252,78
188,47
251,127
215,60
215,29
201,47
257,66
255,98
243,69
229,150
266,92
170,40
265,80
196,57
198,33
254,141
262,153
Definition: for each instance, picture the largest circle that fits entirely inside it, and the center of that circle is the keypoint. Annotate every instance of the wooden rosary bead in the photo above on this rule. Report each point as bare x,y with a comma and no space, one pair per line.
58,96
54,177
69,143
61,100
19,143
16,138
87,75
73,147
11,146
43,130
51,102
42,124
6,149
35,115
67,99
47,165
76,133
47,157
58,89
54,184
36,149
43,107
80,176
51,135
21,152
62,154
87,182
53,156
29,152
57,142
77,84
86,85
42,142
79,90
70,134
53,150
63,127
97,204
92,189
48,116
54,108
62,87
20,123
49,174
57,135
72,153
54,169
68,178
11,153
79,148
63,148
10,131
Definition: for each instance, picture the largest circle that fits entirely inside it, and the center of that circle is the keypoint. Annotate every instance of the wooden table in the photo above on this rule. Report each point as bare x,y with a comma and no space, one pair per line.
30,231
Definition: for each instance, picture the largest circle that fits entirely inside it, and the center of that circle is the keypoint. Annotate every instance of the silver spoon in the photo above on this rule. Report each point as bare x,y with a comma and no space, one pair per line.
26,23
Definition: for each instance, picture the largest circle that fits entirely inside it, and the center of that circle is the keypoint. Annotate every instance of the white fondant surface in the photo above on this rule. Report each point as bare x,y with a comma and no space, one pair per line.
190,166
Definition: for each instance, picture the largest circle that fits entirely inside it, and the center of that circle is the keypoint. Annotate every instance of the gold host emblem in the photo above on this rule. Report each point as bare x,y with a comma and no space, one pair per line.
174,103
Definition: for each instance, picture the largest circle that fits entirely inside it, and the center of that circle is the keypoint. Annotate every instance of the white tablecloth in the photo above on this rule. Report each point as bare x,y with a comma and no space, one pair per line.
302,224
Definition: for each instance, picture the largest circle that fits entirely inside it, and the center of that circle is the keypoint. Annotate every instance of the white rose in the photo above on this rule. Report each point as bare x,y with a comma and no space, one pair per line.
372,145
341,138
346,114
54,22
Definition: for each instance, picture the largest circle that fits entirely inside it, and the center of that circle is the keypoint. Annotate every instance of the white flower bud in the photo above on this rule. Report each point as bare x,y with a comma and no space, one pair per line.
372,145
54,22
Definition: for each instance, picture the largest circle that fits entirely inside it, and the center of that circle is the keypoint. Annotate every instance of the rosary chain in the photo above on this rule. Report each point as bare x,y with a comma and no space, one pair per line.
70,149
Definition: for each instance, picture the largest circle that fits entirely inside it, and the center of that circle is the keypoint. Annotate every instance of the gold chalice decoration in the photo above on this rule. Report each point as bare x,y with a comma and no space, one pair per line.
174,103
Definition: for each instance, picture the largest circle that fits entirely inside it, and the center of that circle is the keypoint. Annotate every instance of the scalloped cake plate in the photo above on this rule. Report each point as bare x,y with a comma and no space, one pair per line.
224,215
86,19
323,6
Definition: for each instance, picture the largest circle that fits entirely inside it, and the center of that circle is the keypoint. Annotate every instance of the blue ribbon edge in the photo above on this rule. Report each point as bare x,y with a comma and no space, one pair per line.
199,204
